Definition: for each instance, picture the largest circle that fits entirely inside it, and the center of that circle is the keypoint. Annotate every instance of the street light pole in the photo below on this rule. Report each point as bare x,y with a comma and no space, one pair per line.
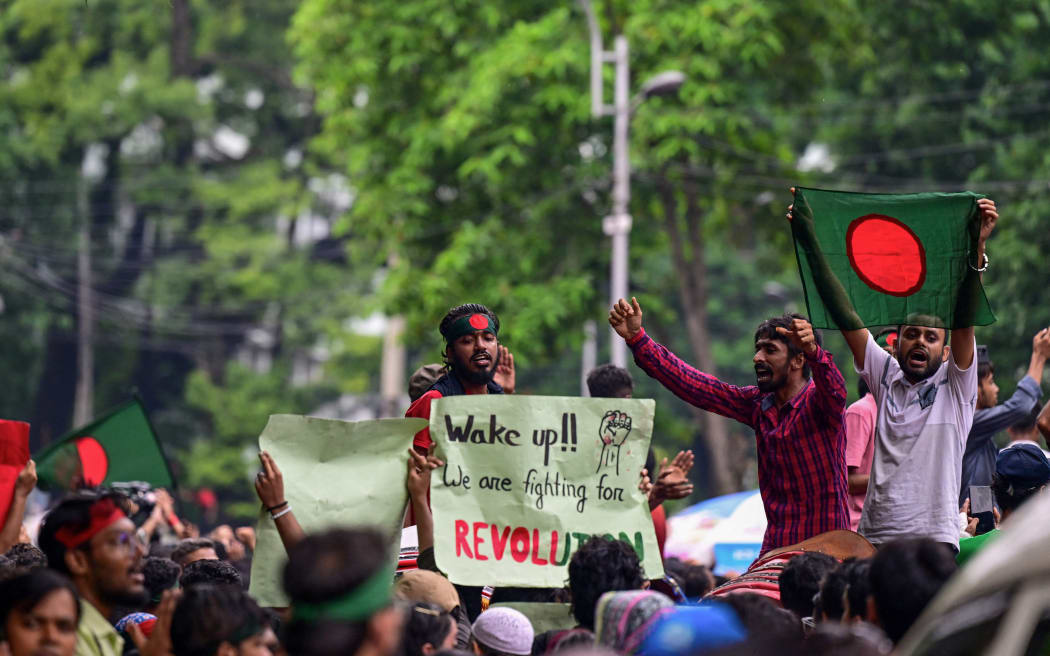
618,224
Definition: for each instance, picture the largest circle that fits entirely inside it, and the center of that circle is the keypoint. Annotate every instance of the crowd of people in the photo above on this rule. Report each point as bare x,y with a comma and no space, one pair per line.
898,472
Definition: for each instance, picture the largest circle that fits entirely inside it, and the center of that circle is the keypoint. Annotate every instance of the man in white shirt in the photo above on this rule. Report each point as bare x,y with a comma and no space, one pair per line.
925,410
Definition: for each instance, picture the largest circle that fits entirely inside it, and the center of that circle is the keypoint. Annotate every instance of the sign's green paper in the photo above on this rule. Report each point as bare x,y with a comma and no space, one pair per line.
335,473
528,478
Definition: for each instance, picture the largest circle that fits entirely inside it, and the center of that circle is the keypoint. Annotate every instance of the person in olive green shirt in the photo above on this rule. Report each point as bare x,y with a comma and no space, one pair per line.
89,538
1021,471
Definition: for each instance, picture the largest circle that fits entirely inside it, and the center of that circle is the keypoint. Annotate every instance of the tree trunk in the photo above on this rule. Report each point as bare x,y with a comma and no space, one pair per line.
693,293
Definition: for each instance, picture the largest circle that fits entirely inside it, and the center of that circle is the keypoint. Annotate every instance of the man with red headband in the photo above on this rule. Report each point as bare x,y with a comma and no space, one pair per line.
473,359
89,538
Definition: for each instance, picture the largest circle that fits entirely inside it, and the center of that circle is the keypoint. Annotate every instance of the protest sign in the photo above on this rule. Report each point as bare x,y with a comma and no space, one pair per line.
527,479
335,473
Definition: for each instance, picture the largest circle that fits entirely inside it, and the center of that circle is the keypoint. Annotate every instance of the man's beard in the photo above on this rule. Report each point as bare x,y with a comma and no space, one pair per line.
124,598
916,375
467,375
772,384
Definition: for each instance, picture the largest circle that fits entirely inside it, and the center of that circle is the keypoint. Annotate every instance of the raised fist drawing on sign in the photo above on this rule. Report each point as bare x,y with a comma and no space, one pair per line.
613,431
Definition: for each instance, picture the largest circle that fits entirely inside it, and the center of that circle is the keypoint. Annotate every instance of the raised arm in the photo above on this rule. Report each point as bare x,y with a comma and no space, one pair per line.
829,287
269,485
418,485
962,338
990,421
1043,422
24,484
688,383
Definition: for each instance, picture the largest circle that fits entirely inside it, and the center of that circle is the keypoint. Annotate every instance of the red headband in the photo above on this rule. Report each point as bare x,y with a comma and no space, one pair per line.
103,513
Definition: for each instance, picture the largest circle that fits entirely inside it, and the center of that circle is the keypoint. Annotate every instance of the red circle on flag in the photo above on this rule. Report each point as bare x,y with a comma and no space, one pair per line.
479,321
886,254
93,460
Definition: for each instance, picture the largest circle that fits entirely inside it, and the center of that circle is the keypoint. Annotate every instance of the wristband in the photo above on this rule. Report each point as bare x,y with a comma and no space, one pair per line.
281,514
273,508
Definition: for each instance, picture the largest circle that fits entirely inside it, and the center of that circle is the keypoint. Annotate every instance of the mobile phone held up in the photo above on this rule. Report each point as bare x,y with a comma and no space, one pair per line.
981,504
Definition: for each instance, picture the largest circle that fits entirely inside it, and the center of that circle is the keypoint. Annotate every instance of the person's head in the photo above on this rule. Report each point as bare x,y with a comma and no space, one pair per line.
610,381
777,361
694,630
800,581
601,565
905,576
428,629
471,342
695,580
26,556
423,585
225,536
761,616
191,550
987,390
89,538
828,604
213,572
1026,427
1021,471
920,351
855,595
623,619
421,380
339,584
502,631
160,574
218,620
39,613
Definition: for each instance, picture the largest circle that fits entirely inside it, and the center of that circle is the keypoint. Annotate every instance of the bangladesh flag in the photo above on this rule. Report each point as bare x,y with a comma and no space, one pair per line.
889,259
119,447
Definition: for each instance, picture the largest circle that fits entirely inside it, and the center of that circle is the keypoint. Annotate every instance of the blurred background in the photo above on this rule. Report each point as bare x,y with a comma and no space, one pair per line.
239,208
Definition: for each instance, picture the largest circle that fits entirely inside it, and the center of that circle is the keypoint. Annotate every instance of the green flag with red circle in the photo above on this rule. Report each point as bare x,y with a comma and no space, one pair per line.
889,259
120,446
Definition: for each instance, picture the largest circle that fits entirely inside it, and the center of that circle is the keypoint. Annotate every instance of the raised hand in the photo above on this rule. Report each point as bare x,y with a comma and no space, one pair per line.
269,484
26,480
989,217
419,467
505,376
626,318
1041,343
801,335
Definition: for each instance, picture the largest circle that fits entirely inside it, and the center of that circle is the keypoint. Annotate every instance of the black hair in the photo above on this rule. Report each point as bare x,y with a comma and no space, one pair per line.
768,330
695,580
25,591
424,623
160,574
607,380
985,369
1027,423
601,565
74,512
1010,497
800,581
905,576
326,566
857,588
209,615
762,617
189,545
27,556
828,601
215,572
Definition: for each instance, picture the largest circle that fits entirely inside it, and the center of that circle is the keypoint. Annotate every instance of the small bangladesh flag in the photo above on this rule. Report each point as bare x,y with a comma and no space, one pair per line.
889,259
119,447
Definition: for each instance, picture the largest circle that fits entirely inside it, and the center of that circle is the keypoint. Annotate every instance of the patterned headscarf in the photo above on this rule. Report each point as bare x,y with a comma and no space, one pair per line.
623,619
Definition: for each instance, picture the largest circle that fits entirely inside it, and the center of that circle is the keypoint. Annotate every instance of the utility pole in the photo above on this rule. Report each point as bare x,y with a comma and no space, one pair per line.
83,404
618,224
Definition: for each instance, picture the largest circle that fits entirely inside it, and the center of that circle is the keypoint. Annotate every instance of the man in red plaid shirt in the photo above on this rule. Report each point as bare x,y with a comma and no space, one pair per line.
797,420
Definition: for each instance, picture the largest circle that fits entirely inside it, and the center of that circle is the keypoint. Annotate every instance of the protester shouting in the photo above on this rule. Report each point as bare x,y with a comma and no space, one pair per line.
473,359
797,420
925,411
